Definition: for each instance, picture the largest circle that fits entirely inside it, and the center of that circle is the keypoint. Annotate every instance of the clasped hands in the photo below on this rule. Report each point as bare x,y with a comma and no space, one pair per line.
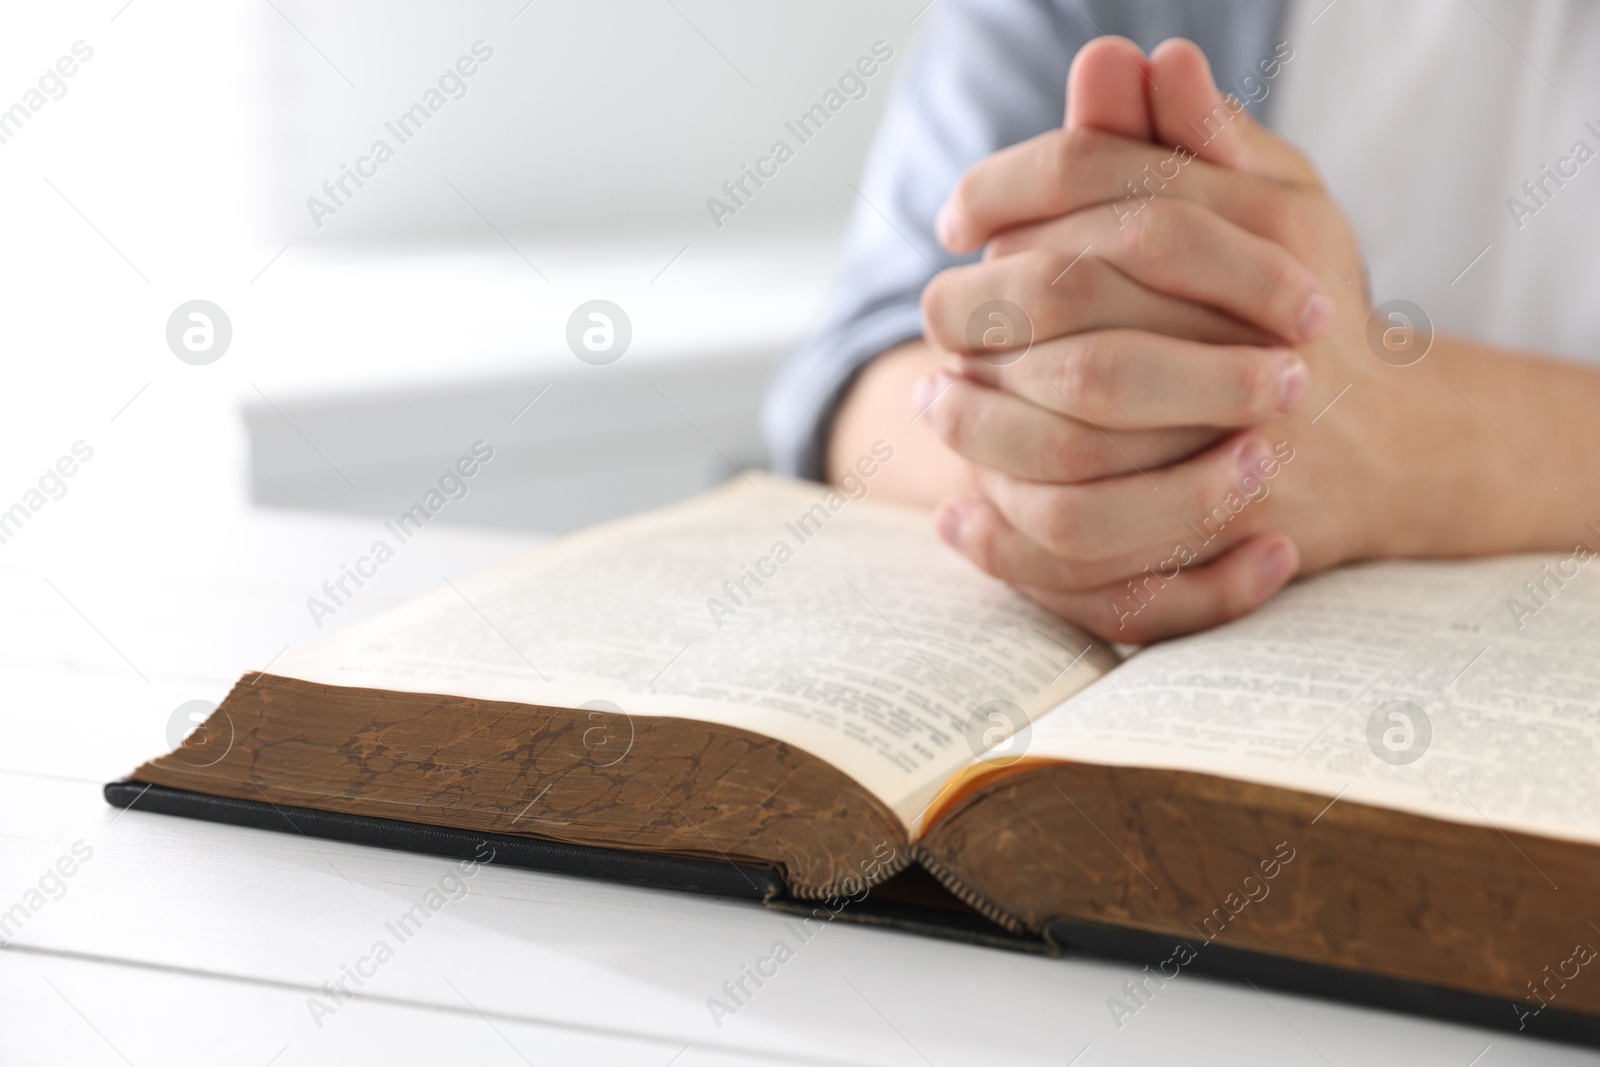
1158,444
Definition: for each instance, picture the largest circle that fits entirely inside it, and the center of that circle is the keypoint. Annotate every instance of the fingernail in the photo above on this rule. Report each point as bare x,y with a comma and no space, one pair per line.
928,387
1316,317
1252,458
948,522
1293,380
1275,566
944,224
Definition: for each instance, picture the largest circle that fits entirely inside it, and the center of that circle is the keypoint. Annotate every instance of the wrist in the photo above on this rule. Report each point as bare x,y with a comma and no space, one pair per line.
1462,481
877,411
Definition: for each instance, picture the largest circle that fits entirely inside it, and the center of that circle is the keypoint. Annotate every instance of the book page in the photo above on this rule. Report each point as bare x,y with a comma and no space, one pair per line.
1460,690
838,625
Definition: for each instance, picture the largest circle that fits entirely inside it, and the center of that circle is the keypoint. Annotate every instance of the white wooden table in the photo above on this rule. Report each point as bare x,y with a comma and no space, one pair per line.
183,942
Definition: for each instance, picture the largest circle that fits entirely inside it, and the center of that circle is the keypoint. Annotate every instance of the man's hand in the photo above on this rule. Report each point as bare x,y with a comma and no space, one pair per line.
1184,542
1108,292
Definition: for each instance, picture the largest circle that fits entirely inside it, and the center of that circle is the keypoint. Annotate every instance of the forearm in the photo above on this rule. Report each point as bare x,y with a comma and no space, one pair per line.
1514,465
878,407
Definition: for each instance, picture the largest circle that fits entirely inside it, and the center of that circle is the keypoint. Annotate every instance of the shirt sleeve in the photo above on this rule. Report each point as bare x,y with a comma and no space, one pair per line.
987,73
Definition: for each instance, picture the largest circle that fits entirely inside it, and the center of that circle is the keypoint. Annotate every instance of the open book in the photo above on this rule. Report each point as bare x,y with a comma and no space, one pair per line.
1391,769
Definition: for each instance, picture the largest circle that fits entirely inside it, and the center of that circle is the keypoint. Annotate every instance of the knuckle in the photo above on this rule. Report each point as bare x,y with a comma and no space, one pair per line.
1137,233
1155,232
1064,524
1005,243
1041,267
1077,280
1234,596
1258,385
1273,210
1206,499
1087,375
1219,495
1286,284
1027,277
1292,204
1262,215
1072,454
936,313
951,417
980,543
1018,239
1066,147
1281,214
963,194
1080,142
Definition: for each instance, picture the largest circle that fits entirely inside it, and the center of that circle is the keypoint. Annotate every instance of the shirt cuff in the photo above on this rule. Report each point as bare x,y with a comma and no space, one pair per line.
797,415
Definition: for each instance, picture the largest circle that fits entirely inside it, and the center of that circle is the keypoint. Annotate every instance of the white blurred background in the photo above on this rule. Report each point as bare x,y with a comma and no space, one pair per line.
432,306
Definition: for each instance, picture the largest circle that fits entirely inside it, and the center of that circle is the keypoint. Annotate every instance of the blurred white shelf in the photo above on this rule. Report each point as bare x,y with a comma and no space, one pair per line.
331,320
384,371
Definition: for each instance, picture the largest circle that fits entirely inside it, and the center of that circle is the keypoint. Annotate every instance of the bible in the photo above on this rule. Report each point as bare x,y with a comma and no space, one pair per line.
1380,785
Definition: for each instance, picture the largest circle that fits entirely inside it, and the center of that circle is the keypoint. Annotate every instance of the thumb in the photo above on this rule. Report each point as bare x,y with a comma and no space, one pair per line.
1188,110
1106,89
